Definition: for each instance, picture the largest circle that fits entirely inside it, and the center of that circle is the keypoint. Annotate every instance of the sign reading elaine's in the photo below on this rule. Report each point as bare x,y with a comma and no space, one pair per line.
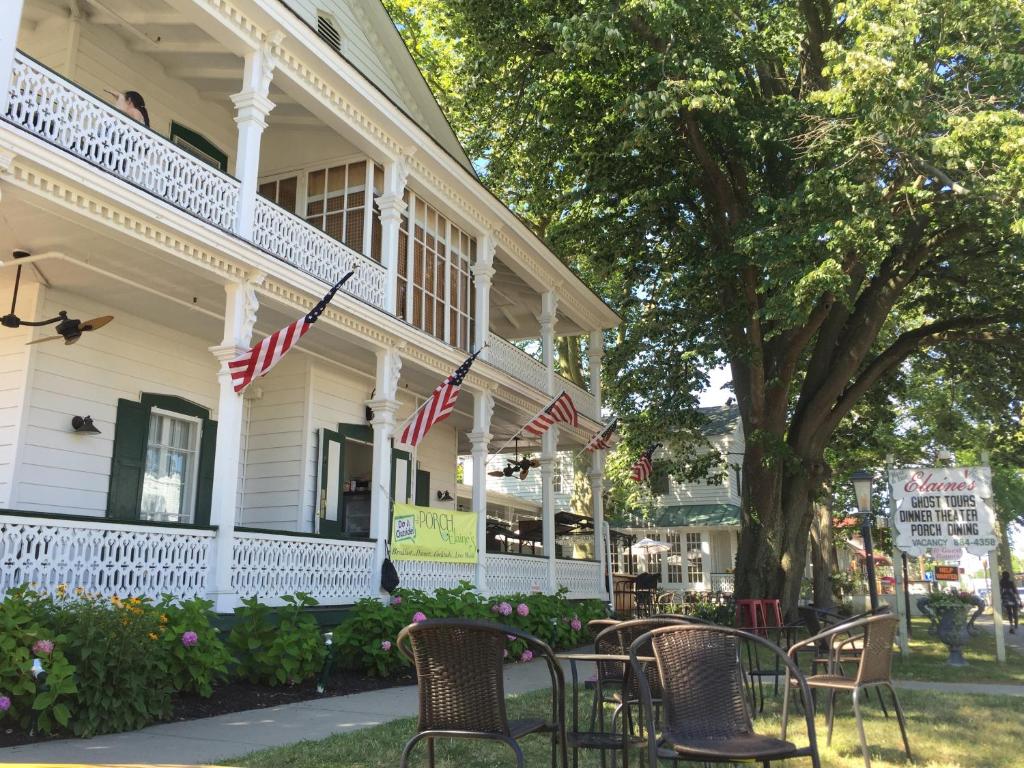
423,533
943,507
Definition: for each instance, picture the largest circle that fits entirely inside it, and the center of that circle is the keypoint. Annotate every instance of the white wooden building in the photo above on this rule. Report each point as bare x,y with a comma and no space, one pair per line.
289,142
700,520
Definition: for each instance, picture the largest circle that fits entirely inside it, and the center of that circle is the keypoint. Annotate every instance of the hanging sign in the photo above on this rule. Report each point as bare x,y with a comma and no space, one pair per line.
944,507
947,573
945,554
439,535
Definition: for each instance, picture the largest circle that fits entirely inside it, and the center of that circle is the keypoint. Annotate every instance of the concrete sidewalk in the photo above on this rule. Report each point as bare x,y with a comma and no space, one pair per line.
217,738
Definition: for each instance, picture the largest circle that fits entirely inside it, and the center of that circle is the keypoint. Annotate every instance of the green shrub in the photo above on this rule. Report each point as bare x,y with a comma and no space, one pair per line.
365,639
289,650
42,703
121,675
195,656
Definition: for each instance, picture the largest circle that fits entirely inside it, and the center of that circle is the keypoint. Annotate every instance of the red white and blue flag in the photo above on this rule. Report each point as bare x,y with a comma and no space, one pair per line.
644,466
602,439
258,360
560,410
438,406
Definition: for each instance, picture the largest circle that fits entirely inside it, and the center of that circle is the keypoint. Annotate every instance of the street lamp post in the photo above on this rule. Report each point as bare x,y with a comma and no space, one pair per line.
861,480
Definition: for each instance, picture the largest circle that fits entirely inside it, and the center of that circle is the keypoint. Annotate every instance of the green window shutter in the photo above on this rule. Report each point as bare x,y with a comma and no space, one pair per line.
204,481
422,488
129,460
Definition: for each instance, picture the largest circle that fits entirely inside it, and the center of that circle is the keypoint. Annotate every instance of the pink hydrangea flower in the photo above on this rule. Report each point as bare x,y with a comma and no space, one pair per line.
418,617
512,637
396,600
5,703
385,645
505,609
189,639
42,647
494,608
523,609
526,656
576,625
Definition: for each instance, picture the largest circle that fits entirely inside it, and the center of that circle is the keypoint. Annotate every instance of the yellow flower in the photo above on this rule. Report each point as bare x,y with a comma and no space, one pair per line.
62,590
153,636
115,600
79,591
163,618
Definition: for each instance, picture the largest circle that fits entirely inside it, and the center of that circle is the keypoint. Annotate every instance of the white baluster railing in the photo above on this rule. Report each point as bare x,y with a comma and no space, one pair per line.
516,574
306,247
429,576
509,358
105,557
581,577
269,565
50,107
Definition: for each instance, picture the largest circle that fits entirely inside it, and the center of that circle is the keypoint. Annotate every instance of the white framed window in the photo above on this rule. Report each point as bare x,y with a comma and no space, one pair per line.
335,203
172,461
694,558
675,560
283,191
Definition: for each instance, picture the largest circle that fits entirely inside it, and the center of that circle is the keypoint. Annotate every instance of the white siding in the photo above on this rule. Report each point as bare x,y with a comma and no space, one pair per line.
437,454
14,372
530,488
60,471
104,61
276,445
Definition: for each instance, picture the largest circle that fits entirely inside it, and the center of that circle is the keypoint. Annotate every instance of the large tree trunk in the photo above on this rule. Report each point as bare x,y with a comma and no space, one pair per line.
778,509
823,559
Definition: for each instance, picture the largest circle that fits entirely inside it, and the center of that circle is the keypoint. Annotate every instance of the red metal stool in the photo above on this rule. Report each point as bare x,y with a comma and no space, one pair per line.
771,610
750,615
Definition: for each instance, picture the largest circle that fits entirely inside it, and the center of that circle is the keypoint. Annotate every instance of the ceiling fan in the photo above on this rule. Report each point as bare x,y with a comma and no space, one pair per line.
69,329
521,466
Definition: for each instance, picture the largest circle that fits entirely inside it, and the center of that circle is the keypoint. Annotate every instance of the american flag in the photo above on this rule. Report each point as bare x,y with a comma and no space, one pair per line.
258,360
438,406
561,409
602,439
643,467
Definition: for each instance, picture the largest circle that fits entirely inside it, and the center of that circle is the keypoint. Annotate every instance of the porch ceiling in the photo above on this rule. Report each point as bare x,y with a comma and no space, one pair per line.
516,305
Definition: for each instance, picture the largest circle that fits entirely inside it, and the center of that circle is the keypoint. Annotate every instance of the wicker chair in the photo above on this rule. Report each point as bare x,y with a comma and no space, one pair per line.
707,716
459,669
875,635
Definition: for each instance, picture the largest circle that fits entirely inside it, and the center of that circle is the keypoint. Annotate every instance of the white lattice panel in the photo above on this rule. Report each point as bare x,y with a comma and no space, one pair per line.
56,110
513,361
306,247
723,582
429,576
583,400
514,574
581,577
106,557
333,571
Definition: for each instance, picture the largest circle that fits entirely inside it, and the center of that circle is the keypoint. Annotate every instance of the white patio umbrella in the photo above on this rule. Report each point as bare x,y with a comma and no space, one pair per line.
648,546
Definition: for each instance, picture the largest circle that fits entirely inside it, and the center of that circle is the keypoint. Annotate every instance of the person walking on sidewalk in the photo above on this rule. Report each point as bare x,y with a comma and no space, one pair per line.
1011,601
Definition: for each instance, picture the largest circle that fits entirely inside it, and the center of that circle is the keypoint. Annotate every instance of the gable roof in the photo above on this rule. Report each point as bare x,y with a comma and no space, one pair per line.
721,419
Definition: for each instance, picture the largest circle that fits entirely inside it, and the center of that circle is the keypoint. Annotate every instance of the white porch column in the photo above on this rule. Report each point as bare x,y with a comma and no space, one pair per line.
392,206
389,367
549,444
239,318
479,438
10,21
483,272
252,106
596,476
595,355
548,314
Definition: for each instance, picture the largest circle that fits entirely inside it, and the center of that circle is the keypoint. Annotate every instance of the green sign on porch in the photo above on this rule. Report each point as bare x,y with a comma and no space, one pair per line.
424,533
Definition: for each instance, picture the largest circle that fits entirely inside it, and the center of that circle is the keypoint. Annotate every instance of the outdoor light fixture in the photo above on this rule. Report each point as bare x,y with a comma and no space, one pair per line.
84,424
861,480
444,496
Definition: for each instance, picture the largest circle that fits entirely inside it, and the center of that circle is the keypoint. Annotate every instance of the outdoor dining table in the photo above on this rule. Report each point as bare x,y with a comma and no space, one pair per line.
592,738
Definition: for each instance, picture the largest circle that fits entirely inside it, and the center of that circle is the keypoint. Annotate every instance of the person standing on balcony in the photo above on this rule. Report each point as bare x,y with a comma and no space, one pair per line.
132,104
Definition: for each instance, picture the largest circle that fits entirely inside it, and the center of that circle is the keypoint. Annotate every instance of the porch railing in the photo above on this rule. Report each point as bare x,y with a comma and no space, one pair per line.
581,577
428,576
334,571
516,574
584,401
103,556
512,360
723,582
52,108
286,235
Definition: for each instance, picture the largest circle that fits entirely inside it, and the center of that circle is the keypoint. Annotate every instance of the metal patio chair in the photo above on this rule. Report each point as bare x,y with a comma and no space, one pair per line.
875,635
706,710
459,670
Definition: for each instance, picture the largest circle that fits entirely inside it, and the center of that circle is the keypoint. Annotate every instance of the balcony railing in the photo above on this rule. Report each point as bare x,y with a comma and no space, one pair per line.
513,361
50,107
286,235
584,401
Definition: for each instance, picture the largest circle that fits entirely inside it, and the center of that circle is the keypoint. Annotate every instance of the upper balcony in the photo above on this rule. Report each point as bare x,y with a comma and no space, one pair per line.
240,139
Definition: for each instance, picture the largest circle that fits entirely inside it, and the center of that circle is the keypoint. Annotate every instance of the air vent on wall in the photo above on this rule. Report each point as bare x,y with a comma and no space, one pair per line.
326,29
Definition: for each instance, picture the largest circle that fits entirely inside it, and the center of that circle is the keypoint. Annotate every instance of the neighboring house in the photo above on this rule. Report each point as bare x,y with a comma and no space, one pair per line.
290,142
699,519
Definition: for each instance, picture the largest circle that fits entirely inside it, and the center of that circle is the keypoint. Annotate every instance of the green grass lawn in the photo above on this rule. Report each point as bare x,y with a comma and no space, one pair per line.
946,731
927,661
